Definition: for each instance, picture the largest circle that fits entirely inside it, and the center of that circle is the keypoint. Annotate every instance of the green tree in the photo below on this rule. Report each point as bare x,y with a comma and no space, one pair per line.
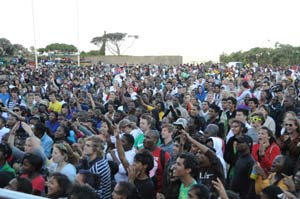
6,48
59,48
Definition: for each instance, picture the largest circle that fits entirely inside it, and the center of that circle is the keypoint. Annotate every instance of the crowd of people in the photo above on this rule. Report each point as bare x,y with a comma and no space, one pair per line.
150,131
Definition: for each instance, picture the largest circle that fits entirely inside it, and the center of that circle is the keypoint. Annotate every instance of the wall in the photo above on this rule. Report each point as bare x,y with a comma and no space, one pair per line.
168,60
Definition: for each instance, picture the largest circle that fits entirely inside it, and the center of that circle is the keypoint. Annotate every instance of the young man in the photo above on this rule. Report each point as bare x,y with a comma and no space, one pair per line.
161,157
145,125
54,105
186,168
166,134
241,181
253,104
96,163
5,153
139,171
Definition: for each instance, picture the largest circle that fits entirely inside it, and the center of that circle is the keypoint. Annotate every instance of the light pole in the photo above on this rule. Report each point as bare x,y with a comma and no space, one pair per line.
78,52
34,36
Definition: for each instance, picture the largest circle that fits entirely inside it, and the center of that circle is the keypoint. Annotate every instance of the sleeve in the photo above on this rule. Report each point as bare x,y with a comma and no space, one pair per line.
48,147
269,156
150,108
38,184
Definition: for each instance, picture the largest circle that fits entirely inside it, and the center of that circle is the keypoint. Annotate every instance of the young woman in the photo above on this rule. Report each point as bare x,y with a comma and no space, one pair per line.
64,160
265,151
58,186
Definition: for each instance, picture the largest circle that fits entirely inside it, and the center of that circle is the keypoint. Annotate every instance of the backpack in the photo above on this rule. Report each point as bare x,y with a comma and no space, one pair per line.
162,161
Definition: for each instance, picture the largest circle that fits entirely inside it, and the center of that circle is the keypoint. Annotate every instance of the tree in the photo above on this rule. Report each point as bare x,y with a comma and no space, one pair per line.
59,48
18,49
6,48
113,42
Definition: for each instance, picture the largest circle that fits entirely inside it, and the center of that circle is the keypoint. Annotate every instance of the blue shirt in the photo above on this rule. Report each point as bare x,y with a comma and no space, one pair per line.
52,127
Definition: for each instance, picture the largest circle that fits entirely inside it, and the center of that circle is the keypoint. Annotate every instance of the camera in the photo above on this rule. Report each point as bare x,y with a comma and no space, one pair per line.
276,88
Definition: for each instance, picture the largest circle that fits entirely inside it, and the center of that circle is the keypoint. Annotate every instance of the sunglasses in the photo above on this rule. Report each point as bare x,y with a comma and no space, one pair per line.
255,119
290,125
16,110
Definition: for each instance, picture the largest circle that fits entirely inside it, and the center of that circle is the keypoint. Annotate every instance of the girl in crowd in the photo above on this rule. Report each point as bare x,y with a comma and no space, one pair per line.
265,151
59,186
64,160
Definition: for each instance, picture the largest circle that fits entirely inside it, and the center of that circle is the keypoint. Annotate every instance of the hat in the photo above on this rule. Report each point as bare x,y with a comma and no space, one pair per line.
44,102
181,121
244,139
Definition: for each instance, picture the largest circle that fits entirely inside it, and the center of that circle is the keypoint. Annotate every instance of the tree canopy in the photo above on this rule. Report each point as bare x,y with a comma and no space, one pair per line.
113,42
281,55
9,49
59,48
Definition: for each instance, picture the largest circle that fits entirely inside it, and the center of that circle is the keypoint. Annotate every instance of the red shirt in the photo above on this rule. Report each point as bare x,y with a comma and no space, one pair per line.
38,183
160,169
266,161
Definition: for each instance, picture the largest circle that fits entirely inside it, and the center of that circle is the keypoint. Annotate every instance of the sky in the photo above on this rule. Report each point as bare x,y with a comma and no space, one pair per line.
198,30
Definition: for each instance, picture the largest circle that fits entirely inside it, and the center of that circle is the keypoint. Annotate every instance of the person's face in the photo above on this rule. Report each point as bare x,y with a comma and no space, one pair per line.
277,164
14,95
290,126
176,148
255,122
288,103
240,116
52,117
116,194
236,128
165,133
211,113
104,128
110,108
263,136
263,111
138,112
230,105
252,105
205,106
30,99
88,148
187,98
57,156
297,180
12,185
224,104
17,110
64,110
53,186
27,167
279,94
179,169
3,89
210,97
175,102
28,147
192,194
194,111
149,140
60,134
242,146
52,98
144,126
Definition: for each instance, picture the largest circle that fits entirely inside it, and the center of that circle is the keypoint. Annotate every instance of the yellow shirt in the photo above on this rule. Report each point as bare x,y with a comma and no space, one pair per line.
56,106
160,114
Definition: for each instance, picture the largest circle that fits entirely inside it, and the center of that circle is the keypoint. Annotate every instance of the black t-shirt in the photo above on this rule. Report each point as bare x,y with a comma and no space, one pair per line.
145,188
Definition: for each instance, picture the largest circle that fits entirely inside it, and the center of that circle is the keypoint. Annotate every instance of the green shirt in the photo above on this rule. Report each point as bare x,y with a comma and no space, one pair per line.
138,142
183,194
7,167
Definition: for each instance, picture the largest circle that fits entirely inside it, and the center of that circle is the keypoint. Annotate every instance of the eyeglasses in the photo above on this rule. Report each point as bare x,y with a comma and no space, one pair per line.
255,119
16,110
290,125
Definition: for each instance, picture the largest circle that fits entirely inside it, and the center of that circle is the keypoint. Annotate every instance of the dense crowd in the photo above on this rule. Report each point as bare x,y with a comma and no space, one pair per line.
150,131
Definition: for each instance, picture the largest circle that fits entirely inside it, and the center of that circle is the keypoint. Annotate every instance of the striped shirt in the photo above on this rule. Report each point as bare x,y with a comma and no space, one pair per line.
102,169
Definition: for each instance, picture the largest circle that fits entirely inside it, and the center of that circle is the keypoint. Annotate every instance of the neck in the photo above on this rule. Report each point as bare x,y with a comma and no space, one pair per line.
61,164
167,140
187,180
93,156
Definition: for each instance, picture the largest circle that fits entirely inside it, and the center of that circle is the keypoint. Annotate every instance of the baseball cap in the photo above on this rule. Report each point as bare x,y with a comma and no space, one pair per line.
181,121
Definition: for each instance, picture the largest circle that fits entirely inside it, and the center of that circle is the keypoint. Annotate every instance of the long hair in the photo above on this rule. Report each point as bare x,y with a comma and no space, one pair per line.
97,145
64,185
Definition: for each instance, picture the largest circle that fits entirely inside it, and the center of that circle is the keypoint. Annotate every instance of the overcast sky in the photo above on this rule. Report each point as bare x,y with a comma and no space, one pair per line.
196,29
